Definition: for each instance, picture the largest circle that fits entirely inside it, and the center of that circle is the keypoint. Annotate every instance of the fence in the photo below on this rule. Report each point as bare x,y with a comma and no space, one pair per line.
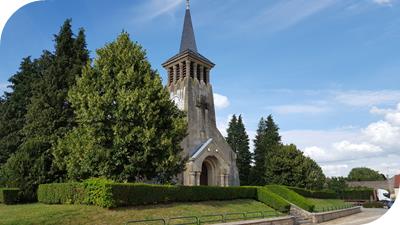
332,208
207,219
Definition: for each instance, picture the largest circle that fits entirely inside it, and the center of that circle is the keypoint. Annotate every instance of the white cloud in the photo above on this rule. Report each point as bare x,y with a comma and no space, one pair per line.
383,133
337,151
298,108
3,88
336,170
285,14
221,101
346,147
155,8
383,2
222,124
367,98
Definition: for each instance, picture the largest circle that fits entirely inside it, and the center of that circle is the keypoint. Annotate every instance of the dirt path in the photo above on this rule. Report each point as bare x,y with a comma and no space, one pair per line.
366,216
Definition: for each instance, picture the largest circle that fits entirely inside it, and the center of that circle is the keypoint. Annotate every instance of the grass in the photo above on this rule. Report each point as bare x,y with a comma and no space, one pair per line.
42,214
325,204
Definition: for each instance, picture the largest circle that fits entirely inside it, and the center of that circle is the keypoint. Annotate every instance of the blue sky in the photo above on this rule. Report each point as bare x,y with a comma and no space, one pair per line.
327,70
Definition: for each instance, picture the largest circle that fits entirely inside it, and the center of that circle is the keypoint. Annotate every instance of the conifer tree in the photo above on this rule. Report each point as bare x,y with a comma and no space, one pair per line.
266,142
49,114
13,108
239,142
128,128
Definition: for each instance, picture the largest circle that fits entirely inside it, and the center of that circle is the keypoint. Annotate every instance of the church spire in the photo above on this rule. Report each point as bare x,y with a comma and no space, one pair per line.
188,41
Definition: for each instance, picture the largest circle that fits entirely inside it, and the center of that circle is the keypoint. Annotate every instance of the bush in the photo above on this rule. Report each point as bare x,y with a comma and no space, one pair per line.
98,191
138,194
373,205
291,197
9,195
357,194
323,194
61,193
273,200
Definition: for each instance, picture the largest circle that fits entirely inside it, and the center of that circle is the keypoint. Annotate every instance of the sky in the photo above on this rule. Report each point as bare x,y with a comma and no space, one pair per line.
327,70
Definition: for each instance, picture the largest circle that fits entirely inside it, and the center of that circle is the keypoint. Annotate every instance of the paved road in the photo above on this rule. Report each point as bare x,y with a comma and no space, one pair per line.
366,216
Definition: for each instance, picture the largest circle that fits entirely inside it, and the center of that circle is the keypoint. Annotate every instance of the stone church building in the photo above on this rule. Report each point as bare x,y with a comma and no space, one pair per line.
211,161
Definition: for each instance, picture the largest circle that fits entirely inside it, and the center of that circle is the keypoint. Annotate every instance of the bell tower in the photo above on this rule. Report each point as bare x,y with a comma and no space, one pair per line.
190,88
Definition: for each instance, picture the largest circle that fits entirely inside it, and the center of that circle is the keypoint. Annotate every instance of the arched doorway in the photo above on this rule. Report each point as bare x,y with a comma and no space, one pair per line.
204,175
210,171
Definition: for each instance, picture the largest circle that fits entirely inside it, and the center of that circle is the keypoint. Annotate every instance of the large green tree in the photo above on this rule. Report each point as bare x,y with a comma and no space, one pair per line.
13,108
266,142
364,174
239,142
49,115
128,128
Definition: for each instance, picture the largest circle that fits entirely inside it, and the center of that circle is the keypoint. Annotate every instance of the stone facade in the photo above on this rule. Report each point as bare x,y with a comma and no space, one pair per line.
211,161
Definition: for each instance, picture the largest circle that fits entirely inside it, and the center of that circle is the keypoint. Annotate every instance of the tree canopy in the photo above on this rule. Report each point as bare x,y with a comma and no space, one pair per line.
239,142
128,128
364,174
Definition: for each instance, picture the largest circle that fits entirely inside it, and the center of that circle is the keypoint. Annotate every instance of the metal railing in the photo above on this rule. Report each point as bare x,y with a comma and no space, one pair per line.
206,219
333,208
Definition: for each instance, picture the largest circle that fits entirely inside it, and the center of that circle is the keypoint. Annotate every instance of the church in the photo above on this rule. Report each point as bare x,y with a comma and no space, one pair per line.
211,161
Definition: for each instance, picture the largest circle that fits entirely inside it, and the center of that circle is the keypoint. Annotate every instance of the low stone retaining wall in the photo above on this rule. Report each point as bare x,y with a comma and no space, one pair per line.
287,220
331,215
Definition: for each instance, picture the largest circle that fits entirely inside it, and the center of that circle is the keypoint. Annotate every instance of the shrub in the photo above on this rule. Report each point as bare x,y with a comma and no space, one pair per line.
9,195
273,200
291,197
61,193
357,194
373,205
98,191
323,194
138,194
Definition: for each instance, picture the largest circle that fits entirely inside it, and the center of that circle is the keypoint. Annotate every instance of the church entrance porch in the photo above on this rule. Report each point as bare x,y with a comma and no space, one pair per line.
209,171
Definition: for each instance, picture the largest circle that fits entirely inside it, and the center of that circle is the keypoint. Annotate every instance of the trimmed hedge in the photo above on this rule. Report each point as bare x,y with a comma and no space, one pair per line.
9,195
273,200
373,205
323,194
291,197
142,194
61,193
357,194
108,194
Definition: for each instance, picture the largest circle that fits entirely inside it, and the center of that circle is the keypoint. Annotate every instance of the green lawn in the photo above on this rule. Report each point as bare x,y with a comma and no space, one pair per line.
81,214
324,204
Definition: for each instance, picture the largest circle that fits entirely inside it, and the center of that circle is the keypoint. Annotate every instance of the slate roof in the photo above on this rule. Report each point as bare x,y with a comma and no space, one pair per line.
188,41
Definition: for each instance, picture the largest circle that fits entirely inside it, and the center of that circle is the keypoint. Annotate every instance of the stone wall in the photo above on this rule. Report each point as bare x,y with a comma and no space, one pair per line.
287,220
326,216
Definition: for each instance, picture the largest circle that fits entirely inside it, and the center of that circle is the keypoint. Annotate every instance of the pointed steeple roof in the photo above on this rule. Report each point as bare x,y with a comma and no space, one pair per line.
188,41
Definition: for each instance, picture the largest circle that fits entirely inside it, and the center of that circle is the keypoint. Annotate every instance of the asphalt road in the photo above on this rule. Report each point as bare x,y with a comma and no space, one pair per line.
366,216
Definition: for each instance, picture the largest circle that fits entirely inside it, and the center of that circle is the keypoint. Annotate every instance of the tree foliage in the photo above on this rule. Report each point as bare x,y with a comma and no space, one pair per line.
128,128
364,174
276,163
267,141
47,115
13,108
239,142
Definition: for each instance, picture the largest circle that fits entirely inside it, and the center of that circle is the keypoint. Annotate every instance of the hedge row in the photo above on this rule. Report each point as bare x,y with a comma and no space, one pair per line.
109,195
61,193
9,195
324,194
357,194
138,194
273,200
291,197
